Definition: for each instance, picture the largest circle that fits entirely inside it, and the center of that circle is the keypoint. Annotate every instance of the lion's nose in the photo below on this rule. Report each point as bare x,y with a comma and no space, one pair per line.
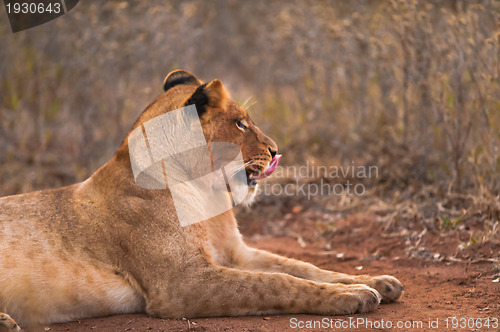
272,152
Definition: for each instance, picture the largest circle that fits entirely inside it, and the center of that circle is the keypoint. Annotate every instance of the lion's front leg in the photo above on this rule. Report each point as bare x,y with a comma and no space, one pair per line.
7,324
252,259
221,291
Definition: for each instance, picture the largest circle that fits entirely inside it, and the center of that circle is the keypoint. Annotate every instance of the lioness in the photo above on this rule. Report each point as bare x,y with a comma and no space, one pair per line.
107,246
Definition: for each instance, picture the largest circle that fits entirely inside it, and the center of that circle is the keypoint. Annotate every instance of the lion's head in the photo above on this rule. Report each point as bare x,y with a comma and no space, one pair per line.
222,120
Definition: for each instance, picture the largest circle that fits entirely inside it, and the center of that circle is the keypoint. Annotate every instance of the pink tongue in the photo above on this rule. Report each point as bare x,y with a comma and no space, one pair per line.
272,166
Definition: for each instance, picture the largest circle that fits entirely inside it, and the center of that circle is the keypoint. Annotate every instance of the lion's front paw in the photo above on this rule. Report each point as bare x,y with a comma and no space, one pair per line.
7,324
357,299
389,287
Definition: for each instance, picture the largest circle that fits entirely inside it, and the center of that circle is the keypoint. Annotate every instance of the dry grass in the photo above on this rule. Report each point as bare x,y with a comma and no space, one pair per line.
410,86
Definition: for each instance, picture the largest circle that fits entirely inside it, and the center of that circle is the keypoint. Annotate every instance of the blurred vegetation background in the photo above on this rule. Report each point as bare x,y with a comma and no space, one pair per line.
412,87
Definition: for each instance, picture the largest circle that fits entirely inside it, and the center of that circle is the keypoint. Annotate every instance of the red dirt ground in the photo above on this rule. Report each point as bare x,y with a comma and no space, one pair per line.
436,288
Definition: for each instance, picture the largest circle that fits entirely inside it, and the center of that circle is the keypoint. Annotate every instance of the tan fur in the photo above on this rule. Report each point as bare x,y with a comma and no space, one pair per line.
106,246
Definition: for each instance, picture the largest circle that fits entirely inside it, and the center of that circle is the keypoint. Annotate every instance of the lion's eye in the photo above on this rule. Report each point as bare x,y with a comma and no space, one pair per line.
241,125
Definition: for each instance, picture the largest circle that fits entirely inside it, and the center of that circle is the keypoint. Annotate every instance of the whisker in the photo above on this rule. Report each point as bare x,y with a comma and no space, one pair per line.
235,170
246,104
248,163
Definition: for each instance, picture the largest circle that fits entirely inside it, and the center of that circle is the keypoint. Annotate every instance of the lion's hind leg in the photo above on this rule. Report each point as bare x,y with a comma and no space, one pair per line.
7,324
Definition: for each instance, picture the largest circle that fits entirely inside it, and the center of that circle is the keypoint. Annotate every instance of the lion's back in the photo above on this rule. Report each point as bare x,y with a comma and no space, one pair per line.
43,278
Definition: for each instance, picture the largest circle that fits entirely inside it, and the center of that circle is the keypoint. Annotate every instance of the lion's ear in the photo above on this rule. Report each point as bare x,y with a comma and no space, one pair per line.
209,97
216,93
178,77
